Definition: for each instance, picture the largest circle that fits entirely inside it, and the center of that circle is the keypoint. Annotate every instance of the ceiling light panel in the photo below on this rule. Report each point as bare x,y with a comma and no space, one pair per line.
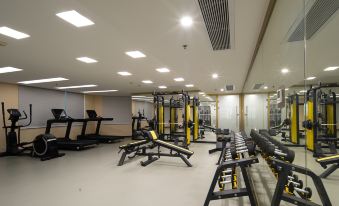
215,76
163,70
179,79
78,86
186,21
331,68
13,33
310,78
87,60
147,82
135,54
162,87
189,85
73,17
124,73
285,70
37,81
101,91
9,69
265,87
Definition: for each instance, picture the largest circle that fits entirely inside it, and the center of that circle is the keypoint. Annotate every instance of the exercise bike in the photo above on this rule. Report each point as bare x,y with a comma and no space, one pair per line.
44,146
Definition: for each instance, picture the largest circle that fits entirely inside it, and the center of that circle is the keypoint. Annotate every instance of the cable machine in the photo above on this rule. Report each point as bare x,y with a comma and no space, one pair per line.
321,122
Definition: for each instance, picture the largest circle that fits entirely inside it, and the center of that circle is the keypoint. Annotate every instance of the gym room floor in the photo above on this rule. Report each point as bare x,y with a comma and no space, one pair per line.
91,177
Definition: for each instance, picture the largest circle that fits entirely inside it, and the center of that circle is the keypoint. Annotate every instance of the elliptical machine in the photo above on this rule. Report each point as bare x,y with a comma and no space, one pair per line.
44,146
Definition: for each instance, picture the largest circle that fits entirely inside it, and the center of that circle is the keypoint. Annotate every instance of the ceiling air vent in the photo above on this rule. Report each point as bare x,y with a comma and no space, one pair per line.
217,22
257,86
316,16
229,87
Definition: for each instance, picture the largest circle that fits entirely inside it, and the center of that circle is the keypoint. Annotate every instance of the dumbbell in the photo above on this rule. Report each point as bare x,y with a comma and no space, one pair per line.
288,155
305,193
250,148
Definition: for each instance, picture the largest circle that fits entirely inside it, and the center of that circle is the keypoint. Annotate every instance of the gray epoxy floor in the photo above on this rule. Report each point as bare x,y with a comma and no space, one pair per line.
91,177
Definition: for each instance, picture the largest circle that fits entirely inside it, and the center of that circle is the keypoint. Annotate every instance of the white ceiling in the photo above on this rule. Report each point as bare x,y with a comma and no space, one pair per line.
151,26
276,53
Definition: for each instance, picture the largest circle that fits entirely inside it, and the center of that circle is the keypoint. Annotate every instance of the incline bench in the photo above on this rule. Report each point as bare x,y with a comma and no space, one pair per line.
329,160
179,151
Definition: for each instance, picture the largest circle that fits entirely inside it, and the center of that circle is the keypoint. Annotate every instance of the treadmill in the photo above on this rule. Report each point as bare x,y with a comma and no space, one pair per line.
93,117
65,143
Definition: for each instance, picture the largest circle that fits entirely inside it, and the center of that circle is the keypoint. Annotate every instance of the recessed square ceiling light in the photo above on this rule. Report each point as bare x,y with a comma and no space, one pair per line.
222,89
284,70
163,70
189,85
331,68
57,79
12,33
79,86
162,87
265,87
215,76
147,82
179,79
101,91
73,17
124,73
310,78
87,60
186,21
135,54
9,69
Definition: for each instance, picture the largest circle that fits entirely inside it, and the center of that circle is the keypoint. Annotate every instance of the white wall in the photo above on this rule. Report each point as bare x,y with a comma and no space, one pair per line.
147,107
229,112
255,109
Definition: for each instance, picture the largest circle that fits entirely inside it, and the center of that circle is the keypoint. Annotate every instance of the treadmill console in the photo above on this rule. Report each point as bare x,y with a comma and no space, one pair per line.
59,114
92,114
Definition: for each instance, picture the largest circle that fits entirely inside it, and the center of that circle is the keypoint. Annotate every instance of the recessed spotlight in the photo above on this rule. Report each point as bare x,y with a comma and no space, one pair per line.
101,91
265,87
310,78
179,79
147,82
12,33
73,17
162,87
87,60
163,70
331,68
215,76
222,89
135,54
124,73
78,86
186,21
57,79
189,85
9,69
285,70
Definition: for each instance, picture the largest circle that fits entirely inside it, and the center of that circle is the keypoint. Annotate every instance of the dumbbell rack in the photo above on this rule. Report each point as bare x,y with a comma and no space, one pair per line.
285,168
231,193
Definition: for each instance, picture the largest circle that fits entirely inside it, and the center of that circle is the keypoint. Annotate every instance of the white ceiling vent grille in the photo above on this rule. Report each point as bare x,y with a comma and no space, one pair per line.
229,87
316,17
217,22
257,86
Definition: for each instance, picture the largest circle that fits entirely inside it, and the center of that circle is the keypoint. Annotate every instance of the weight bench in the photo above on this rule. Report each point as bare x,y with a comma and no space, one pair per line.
138,148
329,160
179,151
